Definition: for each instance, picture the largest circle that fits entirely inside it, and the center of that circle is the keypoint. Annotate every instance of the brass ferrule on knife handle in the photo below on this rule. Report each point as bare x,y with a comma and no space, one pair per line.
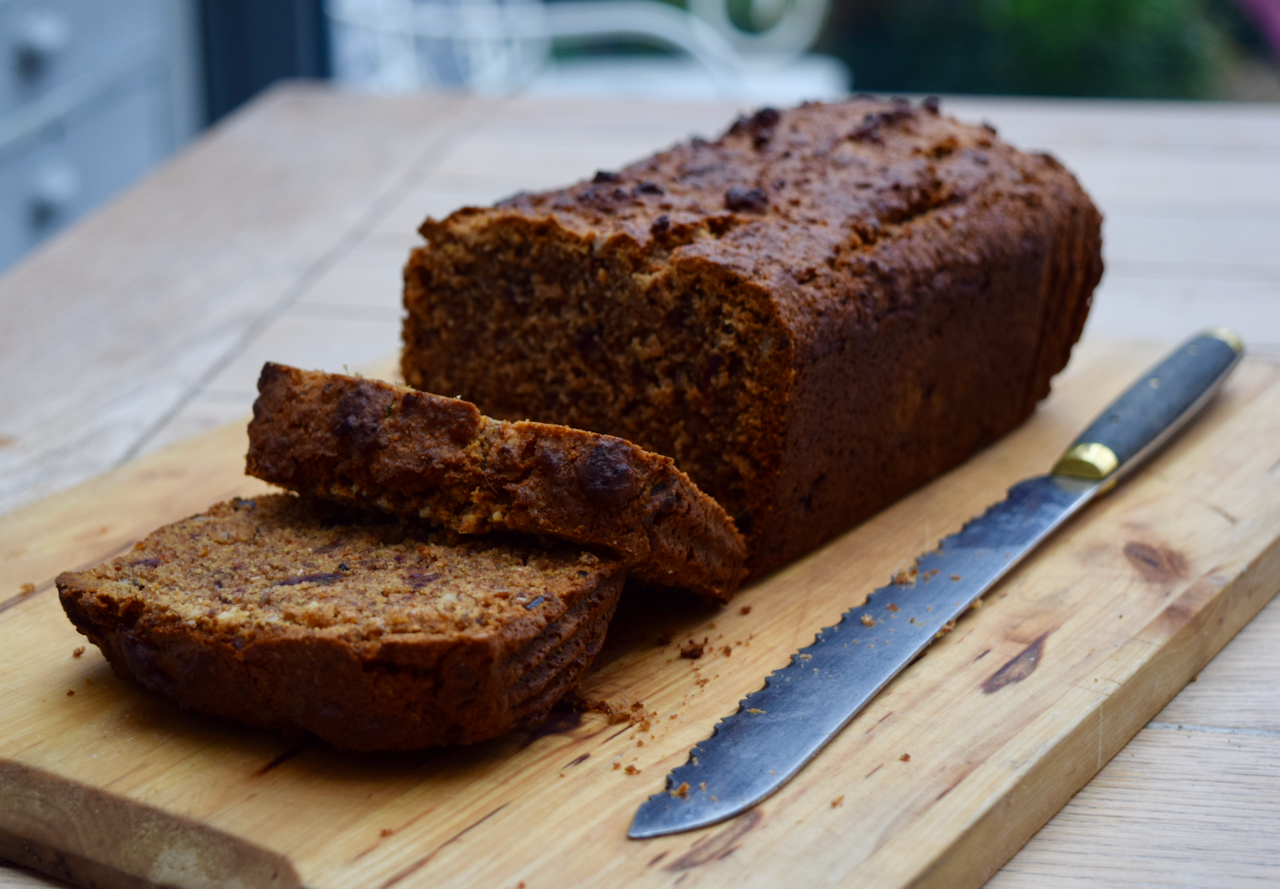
1153,408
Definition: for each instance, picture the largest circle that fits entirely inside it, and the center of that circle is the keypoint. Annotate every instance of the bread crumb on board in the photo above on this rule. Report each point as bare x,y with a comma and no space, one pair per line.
692,650
618,711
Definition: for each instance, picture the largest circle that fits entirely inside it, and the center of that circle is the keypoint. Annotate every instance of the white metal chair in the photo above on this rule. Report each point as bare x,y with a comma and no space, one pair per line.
505,45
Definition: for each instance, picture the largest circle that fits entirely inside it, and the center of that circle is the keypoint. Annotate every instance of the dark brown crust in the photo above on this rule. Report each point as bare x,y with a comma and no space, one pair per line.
813,314
296,615
425,456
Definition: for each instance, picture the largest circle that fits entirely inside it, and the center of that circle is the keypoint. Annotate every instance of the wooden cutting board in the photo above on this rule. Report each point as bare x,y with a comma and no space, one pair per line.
937,783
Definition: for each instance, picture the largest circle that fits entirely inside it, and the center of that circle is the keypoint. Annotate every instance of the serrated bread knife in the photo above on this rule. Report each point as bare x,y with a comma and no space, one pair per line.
781,727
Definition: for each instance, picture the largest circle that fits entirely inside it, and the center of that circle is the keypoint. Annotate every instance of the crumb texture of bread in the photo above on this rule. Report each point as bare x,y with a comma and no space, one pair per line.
300,615
425,456
813,314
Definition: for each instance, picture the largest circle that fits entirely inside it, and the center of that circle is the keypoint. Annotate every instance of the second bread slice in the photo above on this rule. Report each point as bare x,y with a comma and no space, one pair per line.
429,457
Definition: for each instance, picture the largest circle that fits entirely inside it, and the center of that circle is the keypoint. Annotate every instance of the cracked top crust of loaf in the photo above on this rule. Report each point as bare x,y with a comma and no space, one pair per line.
296,614
425,456
812,314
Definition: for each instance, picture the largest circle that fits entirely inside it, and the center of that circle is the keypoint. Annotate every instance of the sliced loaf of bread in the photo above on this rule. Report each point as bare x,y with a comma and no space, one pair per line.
813,314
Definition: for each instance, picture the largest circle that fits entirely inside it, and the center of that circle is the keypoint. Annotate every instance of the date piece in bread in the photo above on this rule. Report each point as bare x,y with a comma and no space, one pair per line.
425,456
813,314
371,633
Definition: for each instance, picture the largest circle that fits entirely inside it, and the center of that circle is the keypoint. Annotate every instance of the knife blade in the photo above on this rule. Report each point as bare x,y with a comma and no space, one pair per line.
778,729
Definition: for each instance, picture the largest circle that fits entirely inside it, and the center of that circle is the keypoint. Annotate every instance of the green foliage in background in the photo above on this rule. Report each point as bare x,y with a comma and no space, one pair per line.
1139,48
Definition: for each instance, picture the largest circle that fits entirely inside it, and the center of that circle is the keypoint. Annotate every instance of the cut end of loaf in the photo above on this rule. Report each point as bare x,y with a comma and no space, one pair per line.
531,320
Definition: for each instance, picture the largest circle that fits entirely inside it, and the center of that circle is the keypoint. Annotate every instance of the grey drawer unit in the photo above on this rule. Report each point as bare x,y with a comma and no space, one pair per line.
62,171
93,93
49,43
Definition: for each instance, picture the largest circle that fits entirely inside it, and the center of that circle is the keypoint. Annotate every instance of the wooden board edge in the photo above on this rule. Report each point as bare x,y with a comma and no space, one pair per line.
1068,752
94,838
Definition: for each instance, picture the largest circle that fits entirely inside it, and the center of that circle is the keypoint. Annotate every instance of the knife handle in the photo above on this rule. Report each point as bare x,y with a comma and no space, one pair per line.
1153,408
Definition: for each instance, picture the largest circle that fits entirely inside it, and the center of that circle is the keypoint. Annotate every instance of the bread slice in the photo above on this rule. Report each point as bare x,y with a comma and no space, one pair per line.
425,456
812,314
371,633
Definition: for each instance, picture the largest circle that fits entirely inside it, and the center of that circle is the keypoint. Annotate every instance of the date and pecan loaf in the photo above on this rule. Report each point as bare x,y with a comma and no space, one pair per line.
424,456
813,314
371,633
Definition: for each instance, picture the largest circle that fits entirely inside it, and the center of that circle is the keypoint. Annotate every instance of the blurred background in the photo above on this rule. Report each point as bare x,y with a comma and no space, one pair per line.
93,94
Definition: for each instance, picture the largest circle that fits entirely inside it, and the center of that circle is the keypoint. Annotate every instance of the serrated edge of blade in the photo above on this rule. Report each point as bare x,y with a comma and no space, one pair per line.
940,621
